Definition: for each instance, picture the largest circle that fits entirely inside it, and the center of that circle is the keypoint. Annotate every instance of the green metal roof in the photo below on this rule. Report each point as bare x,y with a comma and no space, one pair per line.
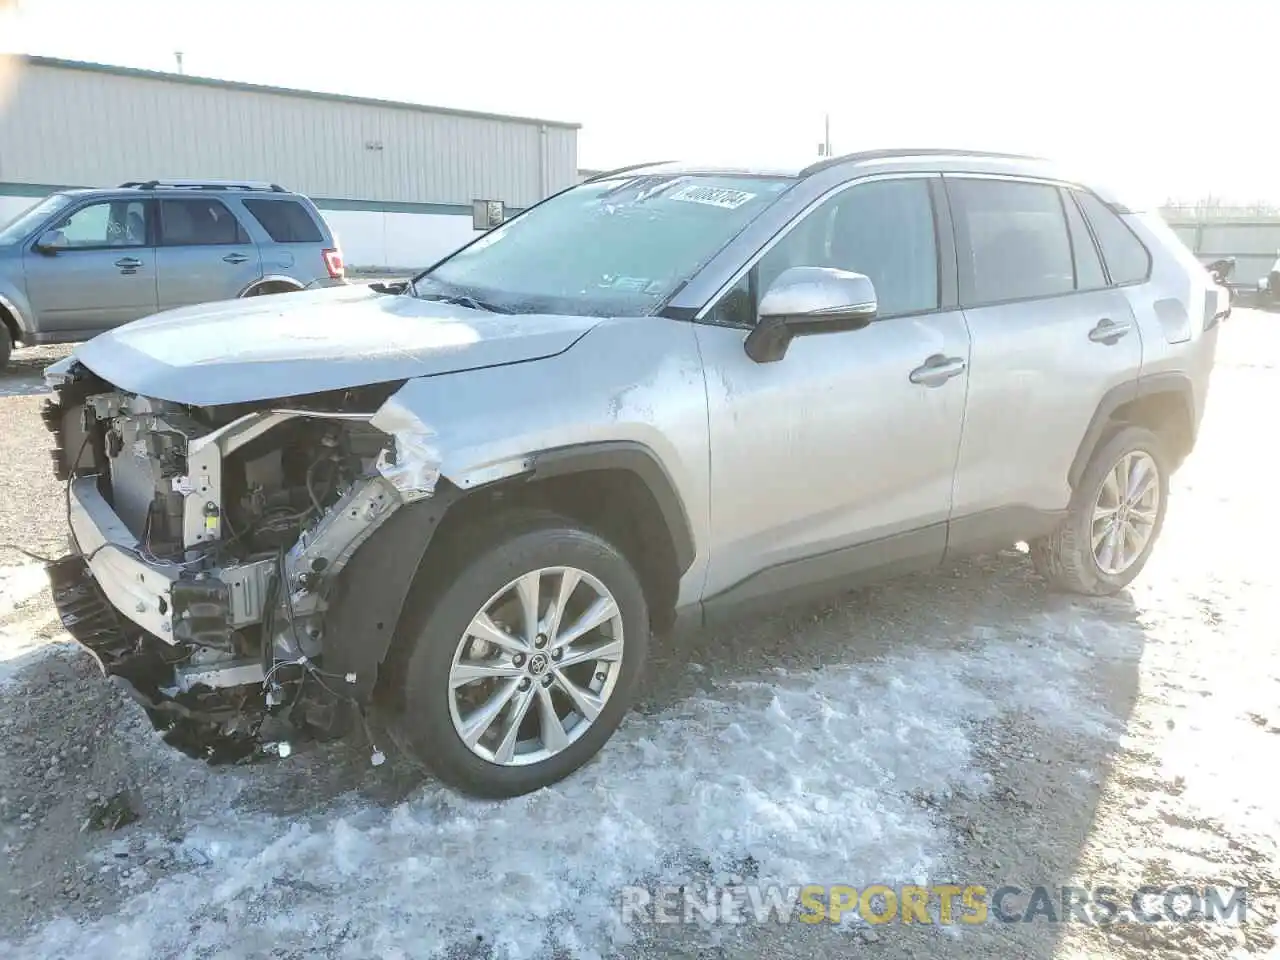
282,91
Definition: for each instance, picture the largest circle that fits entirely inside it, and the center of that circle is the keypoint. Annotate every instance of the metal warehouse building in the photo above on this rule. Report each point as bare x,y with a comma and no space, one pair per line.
398,182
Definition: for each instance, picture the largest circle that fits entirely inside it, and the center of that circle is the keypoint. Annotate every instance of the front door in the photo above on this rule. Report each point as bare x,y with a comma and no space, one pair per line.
840,456
100,271
204,253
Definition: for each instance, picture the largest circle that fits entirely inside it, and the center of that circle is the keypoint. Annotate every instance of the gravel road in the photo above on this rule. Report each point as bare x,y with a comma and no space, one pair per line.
966,726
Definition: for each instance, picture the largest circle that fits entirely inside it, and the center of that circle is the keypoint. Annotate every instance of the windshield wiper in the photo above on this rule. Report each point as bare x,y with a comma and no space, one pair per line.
463,300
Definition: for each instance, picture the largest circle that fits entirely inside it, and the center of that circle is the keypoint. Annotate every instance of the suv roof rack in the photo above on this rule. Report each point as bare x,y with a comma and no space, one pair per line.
905,152
204,185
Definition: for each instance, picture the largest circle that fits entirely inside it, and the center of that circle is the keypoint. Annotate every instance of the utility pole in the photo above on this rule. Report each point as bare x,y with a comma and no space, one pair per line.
824,148
177,55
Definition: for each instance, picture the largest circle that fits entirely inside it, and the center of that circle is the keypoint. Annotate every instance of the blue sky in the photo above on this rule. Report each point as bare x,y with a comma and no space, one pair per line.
1127,88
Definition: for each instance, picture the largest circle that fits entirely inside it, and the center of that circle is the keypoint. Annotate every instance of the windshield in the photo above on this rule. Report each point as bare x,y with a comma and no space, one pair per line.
615,247
28,220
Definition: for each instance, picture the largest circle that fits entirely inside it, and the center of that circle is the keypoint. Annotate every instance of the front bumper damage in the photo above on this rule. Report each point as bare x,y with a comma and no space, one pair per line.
172,630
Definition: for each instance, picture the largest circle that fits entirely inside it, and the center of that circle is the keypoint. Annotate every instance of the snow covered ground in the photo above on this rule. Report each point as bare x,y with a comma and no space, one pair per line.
965,726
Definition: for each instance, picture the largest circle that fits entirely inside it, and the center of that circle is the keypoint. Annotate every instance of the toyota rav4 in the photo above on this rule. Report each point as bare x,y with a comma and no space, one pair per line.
462,504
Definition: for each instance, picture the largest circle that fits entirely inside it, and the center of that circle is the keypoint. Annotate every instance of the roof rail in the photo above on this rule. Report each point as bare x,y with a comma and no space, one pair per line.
903,152
204,185
605,174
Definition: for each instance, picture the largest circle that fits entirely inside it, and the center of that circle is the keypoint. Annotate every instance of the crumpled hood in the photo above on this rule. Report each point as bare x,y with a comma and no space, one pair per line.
238,351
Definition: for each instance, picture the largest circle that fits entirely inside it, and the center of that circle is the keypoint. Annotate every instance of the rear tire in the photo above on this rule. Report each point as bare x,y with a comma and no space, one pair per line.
517,562
1086,554
6,347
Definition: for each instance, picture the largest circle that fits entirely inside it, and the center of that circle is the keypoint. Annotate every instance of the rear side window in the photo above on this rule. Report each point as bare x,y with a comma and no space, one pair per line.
1013,241
202,222
286,221
1089,275
1127,259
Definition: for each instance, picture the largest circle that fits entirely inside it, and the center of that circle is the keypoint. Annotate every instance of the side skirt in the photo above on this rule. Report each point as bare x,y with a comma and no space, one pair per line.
814,578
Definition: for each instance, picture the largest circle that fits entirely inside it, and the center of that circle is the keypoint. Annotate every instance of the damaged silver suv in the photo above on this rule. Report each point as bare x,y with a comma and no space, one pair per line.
666,395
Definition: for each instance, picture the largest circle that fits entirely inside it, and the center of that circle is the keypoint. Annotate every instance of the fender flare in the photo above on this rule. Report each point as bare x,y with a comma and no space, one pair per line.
635,458
1104,419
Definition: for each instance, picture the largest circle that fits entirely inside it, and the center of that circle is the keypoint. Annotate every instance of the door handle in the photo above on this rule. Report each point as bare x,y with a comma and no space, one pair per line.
937,370
128,263
235,258
1108,331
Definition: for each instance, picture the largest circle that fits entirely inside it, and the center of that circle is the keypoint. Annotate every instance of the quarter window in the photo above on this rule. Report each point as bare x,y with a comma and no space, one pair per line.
284,220
883,229
115,223
1127,259
1013,241
185,223
1089,275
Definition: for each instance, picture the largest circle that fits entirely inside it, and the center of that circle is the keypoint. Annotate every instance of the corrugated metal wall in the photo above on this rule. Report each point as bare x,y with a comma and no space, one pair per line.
61,125
1254,243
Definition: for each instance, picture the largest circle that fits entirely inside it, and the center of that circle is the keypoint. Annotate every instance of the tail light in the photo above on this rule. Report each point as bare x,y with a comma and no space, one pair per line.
333,263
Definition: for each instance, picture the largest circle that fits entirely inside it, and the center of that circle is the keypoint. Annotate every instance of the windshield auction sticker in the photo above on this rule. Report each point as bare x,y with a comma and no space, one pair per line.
713,196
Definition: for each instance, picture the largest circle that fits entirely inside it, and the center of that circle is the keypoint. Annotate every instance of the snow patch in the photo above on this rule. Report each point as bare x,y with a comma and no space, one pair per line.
803,777
19,648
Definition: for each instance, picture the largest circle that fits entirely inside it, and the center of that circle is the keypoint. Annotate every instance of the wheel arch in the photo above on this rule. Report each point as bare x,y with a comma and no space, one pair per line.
638,460
362,627
1163,403
276,279
13,319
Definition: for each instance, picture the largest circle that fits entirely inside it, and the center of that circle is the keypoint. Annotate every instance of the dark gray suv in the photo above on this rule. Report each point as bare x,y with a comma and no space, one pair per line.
83,261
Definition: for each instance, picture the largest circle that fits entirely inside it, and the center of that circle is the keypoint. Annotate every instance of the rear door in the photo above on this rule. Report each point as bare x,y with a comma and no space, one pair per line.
204,253
102,274
1050,338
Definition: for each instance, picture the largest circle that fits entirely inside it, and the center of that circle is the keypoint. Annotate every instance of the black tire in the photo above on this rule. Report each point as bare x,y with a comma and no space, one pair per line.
484,560
1065,558
6,347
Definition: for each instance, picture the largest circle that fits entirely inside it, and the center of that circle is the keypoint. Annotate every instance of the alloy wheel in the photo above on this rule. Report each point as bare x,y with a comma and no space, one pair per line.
1125,512
536,666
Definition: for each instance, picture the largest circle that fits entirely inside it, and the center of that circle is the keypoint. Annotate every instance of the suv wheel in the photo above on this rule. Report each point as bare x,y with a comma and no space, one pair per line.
1115,517
525,663
6,347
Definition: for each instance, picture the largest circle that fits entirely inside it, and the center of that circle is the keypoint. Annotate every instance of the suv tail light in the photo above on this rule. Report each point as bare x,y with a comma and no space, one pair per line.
333,263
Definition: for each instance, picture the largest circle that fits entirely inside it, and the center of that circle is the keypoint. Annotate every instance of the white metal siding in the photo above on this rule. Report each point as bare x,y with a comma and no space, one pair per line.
94,128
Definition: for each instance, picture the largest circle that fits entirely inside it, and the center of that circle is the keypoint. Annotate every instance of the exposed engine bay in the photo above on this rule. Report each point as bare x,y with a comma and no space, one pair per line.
207,544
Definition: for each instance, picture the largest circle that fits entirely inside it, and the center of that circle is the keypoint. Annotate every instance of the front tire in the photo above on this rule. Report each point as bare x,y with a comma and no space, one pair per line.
6,347
522,667
1114,519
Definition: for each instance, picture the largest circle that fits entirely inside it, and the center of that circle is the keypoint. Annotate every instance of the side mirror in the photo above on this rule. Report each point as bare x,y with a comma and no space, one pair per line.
50,242
807,300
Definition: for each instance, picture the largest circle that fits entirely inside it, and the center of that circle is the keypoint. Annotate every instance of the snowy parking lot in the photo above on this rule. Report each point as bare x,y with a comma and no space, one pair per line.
964,727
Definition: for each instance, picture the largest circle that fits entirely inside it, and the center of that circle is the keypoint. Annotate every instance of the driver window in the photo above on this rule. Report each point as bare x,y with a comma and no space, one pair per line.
883,229
115,223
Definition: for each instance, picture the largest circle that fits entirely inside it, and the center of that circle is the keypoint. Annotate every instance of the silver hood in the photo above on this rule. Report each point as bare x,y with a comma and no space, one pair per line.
239,351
